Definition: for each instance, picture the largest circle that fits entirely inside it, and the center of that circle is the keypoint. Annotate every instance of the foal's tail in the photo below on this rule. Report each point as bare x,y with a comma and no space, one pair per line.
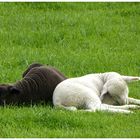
129,79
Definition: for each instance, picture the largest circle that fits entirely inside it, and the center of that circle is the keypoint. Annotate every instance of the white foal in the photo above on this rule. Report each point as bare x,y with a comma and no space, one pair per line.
96,92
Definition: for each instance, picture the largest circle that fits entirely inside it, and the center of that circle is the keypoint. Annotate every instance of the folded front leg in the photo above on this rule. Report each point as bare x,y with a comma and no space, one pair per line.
133,101
126,107
107,108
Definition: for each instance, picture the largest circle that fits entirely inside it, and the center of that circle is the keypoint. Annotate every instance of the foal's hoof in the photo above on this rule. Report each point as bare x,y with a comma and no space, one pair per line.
72,108
134,107
128,112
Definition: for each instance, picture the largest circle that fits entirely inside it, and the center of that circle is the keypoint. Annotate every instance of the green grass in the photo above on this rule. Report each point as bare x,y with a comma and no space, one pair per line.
76,38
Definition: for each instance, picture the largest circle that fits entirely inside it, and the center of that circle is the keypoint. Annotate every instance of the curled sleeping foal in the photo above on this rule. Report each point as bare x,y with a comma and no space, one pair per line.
104,92
37,85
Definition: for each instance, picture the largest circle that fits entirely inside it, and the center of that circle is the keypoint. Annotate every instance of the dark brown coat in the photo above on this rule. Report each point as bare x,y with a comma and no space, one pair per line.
37,85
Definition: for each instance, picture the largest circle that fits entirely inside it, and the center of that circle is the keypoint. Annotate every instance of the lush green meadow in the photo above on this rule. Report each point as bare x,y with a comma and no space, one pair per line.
76,38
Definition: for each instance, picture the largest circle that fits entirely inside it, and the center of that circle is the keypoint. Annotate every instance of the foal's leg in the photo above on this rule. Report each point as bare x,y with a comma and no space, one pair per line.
123,106
133,101
106,108
71,108
94,104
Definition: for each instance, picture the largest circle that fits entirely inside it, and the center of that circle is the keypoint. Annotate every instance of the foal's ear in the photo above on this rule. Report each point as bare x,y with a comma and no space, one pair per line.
129,79
14,90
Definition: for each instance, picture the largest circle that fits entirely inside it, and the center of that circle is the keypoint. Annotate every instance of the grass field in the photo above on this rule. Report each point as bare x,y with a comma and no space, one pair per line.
76,38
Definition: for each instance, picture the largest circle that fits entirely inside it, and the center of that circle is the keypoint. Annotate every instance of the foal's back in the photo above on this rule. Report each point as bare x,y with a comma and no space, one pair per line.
46,79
